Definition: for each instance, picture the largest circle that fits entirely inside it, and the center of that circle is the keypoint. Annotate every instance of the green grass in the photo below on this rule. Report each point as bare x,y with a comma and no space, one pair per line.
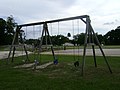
63,76
4,48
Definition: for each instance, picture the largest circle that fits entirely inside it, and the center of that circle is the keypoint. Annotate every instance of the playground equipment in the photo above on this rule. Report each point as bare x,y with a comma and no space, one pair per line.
15,43
90,36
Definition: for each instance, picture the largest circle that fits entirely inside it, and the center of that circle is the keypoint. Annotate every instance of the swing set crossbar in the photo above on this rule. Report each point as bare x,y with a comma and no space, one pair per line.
57,20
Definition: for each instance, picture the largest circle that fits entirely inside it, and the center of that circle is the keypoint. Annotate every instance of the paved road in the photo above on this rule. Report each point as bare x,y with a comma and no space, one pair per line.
108,52
4,54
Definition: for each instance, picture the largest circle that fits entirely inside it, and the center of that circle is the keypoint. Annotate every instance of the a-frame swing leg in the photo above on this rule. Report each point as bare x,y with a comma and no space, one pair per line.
91,40
8,59
50,41
83,61
53,53
45,30
93,48
27,59
88,37
13,53
84,52
51,44
101,49
40,45
11,48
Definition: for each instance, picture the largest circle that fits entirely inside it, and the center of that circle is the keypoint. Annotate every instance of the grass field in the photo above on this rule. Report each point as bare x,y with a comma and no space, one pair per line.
63,76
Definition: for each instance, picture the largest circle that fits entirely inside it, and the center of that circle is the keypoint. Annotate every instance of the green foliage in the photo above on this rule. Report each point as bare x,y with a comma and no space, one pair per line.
59,40
2,30
113,37
56,40
79,39
7,30
110,38
11,24
68,35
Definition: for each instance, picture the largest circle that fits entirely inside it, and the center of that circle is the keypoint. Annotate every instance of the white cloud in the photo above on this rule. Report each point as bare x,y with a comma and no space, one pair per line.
100,11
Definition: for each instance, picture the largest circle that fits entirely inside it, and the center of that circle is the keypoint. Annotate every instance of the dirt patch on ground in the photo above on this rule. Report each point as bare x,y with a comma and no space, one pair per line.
43,66
34,65
25,65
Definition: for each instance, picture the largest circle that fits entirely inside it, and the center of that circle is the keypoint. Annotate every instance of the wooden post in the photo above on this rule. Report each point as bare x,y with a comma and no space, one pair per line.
27,59
45,30
13,42
26,54
93,48
101,49
85,45
13,53
51,44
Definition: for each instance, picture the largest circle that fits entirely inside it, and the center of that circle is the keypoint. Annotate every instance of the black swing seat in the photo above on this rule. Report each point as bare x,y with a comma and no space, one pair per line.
76,63
55,61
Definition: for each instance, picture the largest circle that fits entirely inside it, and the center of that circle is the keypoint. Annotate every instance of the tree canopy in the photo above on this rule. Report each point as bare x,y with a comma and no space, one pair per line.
113,37
7,30
2,30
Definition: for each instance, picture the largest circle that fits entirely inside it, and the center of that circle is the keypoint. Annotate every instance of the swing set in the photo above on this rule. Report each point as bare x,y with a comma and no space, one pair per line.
90,36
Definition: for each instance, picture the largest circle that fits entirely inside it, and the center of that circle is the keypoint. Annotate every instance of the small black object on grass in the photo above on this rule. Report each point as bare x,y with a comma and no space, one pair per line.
35,64
76,63
55,61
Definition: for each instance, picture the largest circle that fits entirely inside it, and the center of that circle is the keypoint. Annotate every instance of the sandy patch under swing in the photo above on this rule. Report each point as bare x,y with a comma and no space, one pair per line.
34,65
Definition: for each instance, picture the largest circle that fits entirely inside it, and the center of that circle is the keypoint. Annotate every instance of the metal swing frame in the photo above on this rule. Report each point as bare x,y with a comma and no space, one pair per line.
89,37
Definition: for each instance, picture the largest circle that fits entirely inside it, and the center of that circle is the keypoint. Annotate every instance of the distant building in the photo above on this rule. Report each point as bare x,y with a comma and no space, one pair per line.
68,44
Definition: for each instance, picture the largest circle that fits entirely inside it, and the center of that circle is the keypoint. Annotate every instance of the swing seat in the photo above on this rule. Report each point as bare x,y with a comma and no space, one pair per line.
55,61
76,64
36,62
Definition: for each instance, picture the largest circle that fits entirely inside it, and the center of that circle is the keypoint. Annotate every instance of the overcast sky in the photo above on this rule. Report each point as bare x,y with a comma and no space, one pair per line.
104,14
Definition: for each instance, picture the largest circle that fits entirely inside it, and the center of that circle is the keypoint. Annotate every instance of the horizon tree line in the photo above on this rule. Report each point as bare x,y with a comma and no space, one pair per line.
7,33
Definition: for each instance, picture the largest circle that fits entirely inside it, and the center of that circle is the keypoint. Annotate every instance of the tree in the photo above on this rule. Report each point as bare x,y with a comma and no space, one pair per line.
112,37
79,39
7,30
2,31
59,39
100,38
11,24
68,35
117,36
75,39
